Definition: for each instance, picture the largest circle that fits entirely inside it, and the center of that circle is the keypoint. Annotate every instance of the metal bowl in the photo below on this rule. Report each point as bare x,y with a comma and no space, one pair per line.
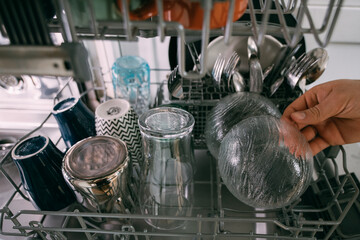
268,51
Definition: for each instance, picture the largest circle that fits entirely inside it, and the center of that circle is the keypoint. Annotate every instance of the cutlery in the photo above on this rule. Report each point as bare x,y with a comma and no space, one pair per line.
319,67
295,72
282,61
175,84
237,81
218,69
232,63
256,73
307,68
299,69
175,81
267,71
194,55
275,86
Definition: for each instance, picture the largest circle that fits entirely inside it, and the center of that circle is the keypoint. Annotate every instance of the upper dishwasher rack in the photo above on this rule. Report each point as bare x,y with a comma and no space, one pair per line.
119,25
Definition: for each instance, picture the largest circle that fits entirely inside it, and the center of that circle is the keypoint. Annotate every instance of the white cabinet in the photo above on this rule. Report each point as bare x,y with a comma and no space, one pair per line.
344,57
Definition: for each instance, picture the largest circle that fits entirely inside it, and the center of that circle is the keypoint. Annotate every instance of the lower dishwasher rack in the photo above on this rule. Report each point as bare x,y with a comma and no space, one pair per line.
320,213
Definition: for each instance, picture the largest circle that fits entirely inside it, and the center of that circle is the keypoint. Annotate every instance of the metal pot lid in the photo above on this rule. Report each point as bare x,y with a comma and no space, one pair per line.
96,157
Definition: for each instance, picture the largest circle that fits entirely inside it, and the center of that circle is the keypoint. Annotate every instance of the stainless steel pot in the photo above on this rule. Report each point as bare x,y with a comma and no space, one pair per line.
97,168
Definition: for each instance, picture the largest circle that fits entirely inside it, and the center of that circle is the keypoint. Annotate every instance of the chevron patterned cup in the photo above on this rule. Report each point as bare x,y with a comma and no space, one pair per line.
117,118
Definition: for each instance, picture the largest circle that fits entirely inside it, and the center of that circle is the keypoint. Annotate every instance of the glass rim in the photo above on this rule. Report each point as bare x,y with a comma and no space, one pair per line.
16,156
56,109
101,111
119,62
145,129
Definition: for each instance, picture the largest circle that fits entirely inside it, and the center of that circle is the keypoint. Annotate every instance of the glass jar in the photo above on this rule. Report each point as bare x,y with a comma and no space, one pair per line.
131,81
167,180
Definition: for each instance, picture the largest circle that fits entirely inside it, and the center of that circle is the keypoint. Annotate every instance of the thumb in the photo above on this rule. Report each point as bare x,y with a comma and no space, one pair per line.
313,115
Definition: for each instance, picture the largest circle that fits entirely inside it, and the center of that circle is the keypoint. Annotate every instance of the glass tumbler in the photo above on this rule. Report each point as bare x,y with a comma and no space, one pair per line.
167,179
131,81
75,120
39,163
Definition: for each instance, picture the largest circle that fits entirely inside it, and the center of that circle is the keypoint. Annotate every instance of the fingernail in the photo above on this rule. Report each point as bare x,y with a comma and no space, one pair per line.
298,115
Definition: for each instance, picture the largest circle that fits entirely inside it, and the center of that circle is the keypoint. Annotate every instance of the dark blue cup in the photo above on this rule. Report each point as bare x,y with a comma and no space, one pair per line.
76,121
39,163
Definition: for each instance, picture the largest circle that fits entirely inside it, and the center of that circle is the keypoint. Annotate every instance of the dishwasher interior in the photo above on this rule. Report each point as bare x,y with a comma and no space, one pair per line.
52,69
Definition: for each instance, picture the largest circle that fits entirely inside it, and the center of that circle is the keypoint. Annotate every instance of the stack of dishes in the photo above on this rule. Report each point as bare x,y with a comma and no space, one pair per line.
264,161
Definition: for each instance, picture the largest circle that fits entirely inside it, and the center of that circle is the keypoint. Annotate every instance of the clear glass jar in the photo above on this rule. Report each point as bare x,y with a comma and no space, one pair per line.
131,81
167,180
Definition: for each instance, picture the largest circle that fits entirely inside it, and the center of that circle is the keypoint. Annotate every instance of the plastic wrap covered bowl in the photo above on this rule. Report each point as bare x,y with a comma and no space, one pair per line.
231,110
265,162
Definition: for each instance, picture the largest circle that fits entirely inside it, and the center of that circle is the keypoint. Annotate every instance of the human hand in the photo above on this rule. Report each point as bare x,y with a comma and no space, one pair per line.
328,114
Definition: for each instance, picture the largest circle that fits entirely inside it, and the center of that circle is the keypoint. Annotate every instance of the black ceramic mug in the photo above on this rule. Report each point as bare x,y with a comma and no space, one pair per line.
75,120
39,162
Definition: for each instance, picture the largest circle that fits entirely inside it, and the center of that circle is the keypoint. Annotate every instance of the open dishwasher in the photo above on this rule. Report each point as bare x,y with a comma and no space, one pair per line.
330,207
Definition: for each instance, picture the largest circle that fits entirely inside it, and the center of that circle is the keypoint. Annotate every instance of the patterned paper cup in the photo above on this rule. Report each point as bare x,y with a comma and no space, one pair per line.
116,118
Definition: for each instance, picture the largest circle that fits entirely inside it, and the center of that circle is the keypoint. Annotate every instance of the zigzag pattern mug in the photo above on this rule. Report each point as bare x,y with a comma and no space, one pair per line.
117,118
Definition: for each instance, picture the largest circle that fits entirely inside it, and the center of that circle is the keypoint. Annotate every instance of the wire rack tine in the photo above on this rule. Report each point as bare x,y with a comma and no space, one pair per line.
259,32
205,32
284,28
63,10
94,23
316,32
264,23
161,25
229,22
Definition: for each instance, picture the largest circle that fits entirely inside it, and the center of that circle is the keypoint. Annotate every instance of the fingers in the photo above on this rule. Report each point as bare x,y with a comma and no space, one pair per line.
294,112
328,109
317,145
314,115
309,132
298,105
316,142
310,109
